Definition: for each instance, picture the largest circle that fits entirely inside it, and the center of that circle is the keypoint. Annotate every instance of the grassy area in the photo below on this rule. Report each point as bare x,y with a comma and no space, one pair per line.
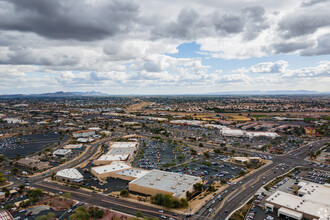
241,213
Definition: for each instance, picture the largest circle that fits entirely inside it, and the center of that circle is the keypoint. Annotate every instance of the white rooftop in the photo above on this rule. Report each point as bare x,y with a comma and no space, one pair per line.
114,167
309,203
232,132
121,151
72,146
167,181
62,151
262,134
113,157
123,144
133,172
70,173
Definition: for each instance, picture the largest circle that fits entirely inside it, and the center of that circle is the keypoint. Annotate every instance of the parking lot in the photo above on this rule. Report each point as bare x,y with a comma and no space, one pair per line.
209,170
155,154
27,144
315,176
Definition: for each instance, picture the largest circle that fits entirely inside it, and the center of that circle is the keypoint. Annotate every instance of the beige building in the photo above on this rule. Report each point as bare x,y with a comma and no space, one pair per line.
246,159
124,145
103,172
32,163
158,181
70,175
129,174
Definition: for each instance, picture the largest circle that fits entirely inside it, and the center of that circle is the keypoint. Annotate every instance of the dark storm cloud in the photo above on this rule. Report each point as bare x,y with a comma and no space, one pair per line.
322,48
288,47
256,21
312,2
304,22
185,27
228,23
189,24
67,19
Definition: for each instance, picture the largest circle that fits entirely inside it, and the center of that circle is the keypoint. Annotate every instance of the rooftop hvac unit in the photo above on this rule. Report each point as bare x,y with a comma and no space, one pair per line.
179,183
173,187
165,174
151,183
158,179
185,178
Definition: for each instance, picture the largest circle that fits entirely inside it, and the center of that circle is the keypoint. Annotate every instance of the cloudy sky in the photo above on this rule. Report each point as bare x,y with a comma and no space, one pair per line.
164,46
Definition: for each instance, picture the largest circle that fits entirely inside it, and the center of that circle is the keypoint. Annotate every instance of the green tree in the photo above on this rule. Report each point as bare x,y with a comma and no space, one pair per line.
50,215
14,170
80,214
99,213
9,206
3,180
66,195
217,151
6,191
211,188
184,203
2,158
91,211
139,214
124,193
198,187
167,201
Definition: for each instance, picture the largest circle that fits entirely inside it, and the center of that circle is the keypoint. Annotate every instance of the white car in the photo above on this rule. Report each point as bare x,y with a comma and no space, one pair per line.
161,211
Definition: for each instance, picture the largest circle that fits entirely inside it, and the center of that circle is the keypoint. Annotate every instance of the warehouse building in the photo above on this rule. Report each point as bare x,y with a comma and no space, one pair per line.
103,172
158,181
312,203
130,174
71,175
121,151
124,145
109,158
32,163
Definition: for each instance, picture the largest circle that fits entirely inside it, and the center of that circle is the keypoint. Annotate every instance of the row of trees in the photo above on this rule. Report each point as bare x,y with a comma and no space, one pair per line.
83,214
168,201
3,180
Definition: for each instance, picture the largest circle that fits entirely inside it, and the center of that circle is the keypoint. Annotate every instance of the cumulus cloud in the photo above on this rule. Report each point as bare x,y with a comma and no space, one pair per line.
322,47
291,46
312,2
267,67
304,21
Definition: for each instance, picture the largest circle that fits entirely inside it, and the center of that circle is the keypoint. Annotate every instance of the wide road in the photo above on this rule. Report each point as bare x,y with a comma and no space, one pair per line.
239,193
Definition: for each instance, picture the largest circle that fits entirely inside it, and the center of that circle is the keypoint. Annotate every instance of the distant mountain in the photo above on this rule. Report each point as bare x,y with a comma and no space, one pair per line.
275,92
60,94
